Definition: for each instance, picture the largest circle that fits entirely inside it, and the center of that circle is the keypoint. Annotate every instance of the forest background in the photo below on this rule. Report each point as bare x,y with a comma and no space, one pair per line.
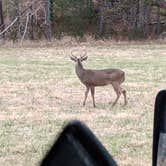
113,19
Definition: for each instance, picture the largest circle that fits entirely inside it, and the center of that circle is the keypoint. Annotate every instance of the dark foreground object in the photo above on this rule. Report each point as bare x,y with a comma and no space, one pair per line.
77,146
159,130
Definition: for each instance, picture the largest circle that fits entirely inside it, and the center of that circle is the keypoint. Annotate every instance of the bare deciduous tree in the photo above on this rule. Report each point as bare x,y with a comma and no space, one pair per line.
2,26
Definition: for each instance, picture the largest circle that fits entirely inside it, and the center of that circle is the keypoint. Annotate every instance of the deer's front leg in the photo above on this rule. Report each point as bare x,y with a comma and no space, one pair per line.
86,94
93,93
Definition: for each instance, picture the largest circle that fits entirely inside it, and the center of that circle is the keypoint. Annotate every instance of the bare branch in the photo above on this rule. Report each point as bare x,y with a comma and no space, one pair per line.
12,23
16,19
26,25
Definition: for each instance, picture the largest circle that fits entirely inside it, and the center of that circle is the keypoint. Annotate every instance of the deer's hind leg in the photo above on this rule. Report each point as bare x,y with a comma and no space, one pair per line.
118,92
123,91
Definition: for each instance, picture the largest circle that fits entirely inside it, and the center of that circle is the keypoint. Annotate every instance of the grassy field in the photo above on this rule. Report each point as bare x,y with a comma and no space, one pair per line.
39,93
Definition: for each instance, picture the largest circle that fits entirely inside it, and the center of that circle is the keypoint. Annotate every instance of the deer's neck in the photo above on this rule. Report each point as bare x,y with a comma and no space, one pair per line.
79,69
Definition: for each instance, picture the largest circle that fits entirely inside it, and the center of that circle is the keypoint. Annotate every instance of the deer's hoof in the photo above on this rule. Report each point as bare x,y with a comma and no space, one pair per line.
113,104
109,102
125,103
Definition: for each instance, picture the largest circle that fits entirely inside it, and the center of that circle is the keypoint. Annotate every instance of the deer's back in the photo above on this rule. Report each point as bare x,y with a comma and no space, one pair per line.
102,77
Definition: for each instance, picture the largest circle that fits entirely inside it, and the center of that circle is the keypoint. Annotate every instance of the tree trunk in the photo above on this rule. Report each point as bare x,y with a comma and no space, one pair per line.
147,11
158,20
2,26
48,20
32,24
101,22
137,14
15,31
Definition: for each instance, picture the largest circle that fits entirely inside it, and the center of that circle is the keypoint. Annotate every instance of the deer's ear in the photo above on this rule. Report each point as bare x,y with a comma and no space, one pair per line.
73,58
84,58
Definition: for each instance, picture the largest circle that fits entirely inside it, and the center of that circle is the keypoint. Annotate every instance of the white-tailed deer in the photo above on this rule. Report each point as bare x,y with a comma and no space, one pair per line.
92,78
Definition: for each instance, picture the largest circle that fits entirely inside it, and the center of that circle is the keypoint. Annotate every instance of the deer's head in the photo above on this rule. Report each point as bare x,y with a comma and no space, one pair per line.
79,59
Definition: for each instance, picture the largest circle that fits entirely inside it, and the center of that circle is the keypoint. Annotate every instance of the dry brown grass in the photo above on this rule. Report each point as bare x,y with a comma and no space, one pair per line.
40,92
69,41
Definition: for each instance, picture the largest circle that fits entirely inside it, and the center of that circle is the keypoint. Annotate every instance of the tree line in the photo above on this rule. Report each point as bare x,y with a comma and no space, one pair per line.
119,19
